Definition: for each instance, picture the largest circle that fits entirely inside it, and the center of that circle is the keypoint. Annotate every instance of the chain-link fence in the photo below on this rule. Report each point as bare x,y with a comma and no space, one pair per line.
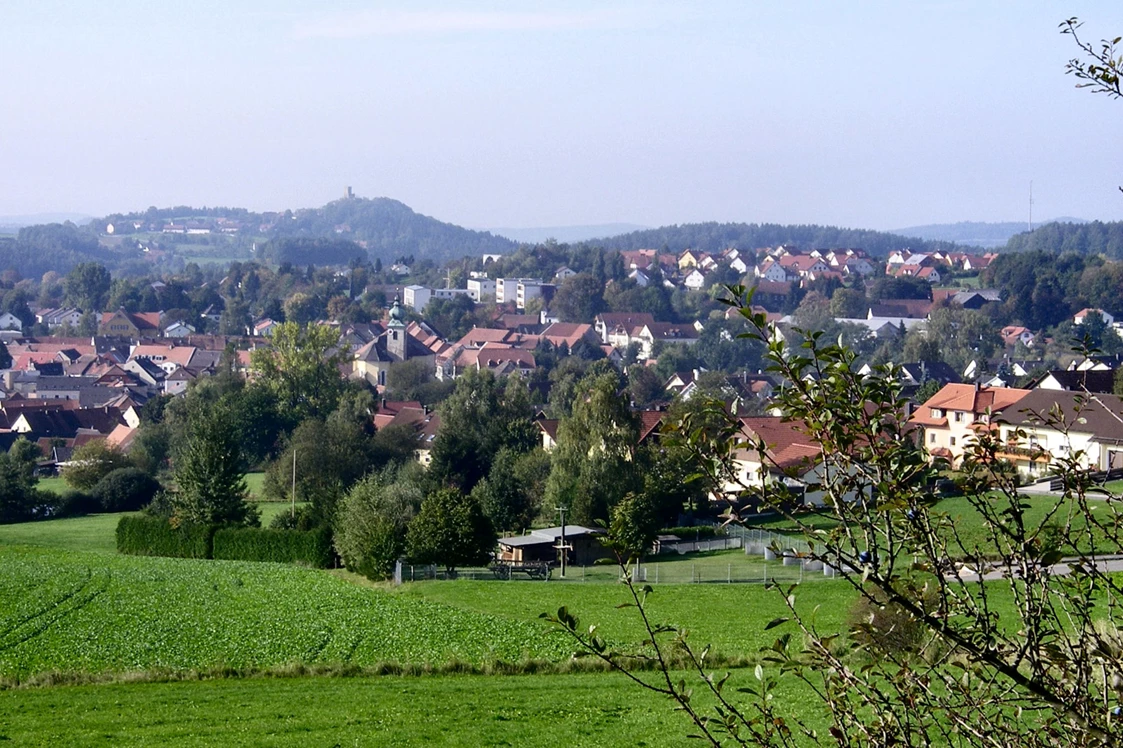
767,557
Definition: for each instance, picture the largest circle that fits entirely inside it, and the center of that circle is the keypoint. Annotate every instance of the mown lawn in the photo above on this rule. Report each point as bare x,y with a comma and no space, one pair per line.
96,532
570,710
729,617
57,484
255,482
968,526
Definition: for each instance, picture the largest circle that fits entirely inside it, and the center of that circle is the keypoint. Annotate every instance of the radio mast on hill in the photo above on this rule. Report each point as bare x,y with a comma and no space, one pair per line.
1031,205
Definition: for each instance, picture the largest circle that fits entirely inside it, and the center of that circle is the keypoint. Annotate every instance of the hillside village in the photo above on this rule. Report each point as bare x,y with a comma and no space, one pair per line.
62,390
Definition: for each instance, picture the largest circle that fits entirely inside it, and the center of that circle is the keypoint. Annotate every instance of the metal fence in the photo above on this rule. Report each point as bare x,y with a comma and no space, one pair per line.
769,557
765,543
680,547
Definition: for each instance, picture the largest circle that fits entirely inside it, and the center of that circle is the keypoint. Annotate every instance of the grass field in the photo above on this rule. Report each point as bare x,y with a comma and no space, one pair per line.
572,710
69,604
729,617
255,482
95,532
971,530
56,484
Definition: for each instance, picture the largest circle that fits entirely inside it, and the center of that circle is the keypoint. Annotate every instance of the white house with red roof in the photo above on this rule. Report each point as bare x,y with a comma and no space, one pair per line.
1108,319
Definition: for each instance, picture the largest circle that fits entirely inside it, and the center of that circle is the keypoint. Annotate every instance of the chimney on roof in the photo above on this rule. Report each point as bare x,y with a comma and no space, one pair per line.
384,403
976,385
426,409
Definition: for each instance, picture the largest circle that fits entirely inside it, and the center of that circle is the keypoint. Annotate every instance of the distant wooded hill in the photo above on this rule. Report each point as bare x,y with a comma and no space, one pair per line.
391,229
975,233
55,246
388,228
714,237
1092,238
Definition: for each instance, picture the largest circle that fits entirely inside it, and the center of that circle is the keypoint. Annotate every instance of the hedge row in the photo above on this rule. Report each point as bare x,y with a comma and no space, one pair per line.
138,535
153,536
311,547
689,533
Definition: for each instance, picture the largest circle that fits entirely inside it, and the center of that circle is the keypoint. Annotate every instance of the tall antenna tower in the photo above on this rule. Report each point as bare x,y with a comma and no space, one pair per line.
1031,205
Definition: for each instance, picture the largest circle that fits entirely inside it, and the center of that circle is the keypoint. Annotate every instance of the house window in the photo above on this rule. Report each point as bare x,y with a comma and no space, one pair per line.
932,438
958,417
382,378
952,441
937,413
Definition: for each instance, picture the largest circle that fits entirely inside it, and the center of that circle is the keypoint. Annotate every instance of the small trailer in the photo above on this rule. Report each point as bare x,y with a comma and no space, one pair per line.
533,569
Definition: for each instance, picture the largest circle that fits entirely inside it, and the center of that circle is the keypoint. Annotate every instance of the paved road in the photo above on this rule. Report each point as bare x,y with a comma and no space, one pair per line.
1103,563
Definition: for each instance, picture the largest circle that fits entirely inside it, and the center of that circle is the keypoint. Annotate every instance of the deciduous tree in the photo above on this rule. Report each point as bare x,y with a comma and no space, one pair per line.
302,368
450,530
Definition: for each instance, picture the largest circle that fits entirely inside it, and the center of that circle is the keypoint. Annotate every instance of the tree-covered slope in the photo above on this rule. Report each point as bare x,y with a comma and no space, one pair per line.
54,246
1093,238
713,237
391,229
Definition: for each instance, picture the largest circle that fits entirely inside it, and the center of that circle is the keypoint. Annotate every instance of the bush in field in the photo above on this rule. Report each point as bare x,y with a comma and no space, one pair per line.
91,462
635,525
330,457
370,527
19,501
125,490
886,629
74,504
451,530
303,519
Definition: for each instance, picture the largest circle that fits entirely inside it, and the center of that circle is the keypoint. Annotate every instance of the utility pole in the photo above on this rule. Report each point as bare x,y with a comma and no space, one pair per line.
562,546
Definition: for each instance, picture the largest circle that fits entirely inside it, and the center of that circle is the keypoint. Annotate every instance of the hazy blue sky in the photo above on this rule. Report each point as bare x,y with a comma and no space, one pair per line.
864,114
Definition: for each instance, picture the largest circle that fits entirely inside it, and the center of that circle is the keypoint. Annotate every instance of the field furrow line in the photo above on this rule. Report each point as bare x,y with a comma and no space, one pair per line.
71,604
46,608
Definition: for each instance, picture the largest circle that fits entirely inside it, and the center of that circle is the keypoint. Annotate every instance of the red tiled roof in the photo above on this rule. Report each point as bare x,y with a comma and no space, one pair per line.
649,421
785,441
966,398
389,409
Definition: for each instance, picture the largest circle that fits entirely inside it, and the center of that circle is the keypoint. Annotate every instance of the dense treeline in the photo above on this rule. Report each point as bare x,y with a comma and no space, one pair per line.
1094,238
55,246
714,237
313,251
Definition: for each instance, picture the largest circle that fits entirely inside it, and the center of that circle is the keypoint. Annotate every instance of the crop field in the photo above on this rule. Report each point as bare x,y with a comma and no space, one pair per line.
97,613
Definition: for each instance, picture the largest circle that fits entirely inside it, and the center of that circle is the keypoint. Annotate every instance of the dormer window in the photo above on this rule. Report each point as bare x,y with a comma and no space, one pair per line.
937,413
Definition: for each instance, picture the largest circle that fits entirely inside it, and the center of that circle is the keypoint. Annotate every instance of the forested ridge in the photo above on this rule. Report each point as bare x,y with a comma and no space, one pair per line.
714,237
